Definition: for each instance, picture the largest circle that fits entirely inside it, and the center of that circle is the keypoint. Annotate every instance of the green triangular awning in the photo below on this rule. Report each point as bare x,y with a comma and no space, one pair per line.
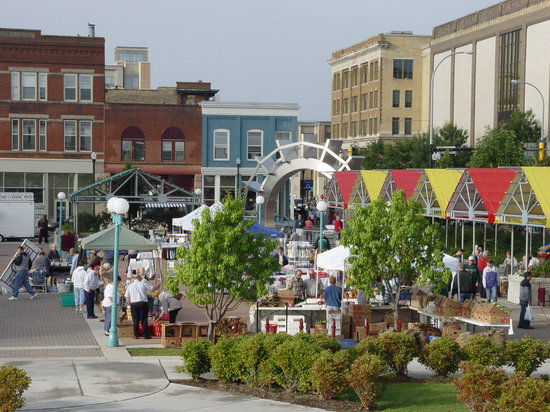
105,240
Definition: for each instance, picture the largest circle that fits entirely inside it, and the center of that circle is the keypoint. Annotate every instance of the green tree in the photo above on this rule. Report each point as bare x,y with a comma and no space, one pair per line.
392,245
524,126
225,263
499,147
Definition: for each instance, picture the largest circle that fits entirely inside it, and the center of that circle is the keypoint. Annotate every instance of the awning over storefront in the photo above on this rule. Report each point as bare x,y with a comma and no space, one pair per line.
400,180
340,188
434,190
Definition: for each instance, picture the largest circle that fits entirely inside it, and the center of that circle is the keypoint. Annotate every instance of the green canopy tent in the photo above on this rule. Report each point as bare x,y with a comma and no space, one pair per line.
105,240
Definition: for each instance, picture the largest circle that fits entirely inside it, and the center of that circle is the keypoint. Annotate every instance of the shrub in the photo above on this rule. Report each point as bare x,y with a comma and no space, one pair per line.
329,374
293,361
483,351
523,394
194,353
371,345
442,356
251,352
479,386
325,342
400,350
13,382
526,354
362,378
273,340
224,358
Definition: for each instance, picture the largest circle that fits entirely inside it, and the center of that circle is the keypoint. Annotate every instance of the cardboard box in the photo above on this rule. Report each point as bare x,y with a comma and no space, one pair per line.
285,293
170,342
419,301
389,319
189,330
377,328
125,329
171,330
316,331
360,333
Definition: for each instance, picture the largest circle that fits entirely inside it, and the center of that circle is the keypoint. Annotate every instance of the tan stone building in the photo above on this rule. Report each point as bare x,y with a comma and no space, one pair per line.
510,42
377,89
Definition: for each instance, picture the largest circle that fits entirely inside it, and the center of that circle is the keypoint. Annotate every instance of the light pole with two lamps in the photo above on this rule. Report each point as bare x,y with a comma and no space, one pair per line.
118,207
93,156
321,207
61,196
260,201
432,101
541,141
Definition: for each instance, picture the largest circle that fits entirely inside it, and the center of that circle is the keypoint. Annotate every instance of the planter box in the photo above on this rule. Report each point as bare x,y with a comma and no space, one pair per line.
513,288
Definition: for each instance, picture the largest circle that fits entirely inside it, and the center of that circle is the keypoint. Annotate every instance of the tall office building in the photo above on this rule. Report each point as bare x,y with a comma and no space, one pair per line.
136,73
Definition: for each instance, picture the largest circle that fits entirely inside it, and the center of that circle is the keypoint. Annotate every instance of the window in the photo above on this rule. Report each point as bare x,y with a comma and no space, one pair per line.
374,71
408,125
133,144
85,87
346,80
29,134
85,135
375,126
336,81
42,86
395,125
42,124
375,99
131,81
508,69
395,99
15,78
345,130
355,76
354,129
28,86
173,145
70,135
338,106
221,144
254,144
364,101
283,135
334,107
364,127
408,98
370,125
364,73
15,134
402,68
371,102
69,87
345,106
354,105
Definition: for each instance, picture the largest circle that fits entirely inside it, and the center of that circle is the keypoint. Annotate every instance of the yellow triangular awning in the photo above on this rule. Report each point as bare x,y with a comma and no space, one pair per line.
539,178
373,179
443,184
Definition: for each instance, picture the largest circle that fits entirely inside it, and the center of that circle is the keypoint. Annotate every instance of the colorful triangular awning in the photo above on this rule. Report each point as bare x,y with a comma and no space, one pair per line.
406,180
539,178
443,182
373,179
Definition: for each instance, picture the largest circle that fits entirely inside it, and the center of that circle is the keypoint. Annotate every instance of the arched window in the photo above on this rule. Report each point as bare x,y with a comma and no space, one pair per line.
133,144
173,145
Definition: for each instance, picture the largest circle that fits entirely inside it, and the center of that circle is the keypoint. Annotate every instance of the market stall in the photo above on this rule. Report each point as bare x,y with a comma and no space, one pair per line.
399,180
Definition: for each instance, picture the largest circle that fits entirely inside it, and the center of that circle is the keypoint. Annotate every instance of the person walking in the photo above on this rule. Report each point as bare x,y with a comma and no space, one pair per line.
78,277
43,230
525,300
108,300
90,285
491,280
171,304
22,264
136,297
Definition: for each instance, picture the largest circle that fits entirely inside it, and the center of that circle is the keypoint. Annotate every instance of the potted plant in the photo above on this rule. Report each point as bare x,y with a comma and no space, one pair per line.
542,270
321,324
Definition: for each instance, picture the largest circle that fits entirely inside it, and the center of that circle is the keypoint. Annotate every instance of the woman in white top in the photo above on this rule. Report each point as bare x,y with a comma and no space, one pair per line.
78,282
107,302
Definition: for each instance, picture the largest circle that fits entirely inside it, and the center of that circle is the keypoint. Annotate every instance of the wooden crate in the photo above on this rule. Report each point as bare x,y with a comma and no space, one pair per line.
188,330
171,330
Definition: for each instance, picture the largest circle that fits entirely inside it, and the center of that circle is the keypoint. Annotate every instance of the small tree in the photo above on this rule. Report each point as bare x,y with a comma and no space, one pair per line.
499,147
392,245
225,263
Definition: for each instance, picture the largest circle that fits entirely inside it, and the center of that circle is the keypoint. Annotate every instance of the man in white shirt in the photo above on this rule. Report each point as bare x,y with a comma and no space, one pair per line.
136,297
90,285
78,277
171,305
533,262
313,291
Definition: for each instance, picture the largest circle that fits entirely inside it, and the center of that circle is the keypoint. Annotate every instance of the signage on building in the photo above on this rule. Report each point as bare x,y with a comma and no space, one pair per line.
16,197
308,184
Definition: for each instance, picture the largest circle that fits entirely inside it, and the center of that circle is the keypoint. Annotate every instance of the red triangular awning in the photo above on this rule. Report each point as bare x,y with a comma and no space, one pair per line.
406,180
346,180
491,184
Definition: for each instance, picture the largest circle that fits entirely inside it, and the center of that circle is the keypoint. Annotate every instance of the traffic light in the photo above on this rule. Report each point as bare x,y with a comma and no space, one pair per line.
542,149
350,150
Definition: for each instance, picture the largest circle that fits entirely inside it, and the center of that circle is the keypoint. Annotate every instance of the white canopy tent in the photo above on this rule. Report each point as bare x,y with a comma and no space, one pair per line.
333,259
186,222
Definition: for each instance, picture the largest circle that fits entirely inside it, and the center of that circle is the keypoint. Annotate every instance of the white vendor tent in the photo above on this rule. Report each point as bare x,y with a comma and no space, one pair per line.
186,222
333,259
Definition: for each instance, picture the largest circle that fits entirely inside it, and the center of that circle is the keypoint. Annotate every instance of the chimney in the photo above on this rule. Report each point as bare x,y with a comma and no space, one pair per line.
91,30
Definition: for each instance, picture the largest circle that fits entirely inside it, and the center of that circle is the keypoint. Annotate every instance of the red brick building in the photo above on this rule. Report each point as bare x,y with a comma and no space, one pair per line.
158,131
52,94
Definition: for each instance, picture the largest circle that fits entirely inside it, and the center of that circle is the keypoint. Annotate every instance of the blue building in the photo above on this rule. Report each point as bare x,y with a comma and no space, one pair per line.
233,135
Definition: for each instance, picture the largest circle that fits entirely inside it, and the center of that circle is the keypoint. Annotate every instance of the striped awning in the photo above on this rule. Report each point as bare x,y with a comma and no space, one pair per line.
164,205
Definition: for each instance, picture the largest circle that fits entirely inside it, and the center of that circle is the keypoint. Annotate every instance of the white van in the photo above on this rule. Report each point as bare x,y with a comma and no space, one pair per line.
16,215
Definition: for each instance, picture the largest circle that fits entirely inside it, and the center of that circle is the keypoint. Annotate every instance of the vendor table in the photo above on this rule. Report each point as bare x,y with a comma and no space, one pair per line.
425,317
475,323
306,310
60,270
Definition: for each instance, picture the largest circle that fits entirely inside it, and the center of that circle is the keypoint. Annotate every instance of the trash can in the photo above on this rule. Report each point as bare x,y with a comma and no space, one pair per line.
67,241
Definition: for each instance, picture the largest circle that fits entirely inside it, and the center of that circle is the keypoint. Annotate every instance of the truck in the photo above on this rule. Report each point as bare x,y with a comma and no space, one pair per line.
16,215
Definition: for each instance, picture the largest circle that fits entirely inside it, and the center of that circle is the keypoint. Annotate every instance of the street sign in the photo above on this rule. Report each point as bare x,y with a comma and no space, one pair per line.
308,184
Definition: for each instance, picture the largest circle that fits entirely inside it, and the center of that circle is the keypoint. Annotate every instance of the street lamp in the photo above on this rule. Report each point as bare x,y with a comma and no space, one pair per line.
198,192
541,141
321,207
432,102
94,157
117,206
61,196
239,176
260,201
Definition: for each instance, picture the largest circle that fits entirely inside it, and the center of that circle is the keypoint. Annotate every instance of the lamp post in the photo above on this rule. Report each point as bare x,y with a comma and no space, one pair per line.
61,196
117,206
321,207
432,102
541,141
198,192
260,201
239,176
93,157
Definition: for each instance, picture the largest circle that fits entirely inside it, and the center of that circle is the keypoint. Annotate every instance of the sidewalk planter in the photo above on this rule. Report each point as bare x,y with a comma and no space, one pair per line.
67,299
513,288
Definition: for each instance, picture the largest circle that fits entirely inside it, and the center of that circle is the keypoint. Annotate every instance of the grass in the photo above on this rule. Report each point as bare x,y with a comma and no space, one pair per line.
413,397
154,351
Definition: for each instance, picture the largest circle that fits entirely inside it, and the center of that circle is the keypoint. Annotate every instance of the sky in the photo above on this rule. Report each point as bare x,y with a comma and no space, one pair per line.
250,50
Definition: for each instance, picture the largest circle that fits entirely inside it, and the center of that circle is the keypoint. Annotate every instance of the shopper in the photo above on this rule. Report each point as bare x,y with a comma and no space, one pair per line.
136,297
95,260
465,283
481,264
22,264
313,285
107,302
90,285
41,269
78,277
491,280
471,268
280,256
337,225
509,264
43,230
534,261
296,284
73,253
333,296
54,253
171,304
525,300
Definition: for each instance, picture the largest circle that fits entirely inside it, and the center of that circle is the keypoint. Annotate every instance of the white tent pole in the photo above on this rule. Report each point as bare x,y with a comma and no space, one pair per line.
446,232
544,236
496,238
526,246
462,243
474,235
456,232
512,250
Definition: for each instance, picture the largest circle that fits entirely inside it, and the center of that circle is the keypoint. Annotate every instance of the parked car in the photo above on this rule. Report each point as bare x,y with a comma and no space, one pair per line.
283,222
54,225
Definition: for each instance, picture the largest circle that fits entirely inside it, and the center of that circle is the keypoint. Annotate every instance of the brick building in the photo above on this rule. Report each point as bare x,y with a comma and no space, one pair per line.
158,131
51,113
